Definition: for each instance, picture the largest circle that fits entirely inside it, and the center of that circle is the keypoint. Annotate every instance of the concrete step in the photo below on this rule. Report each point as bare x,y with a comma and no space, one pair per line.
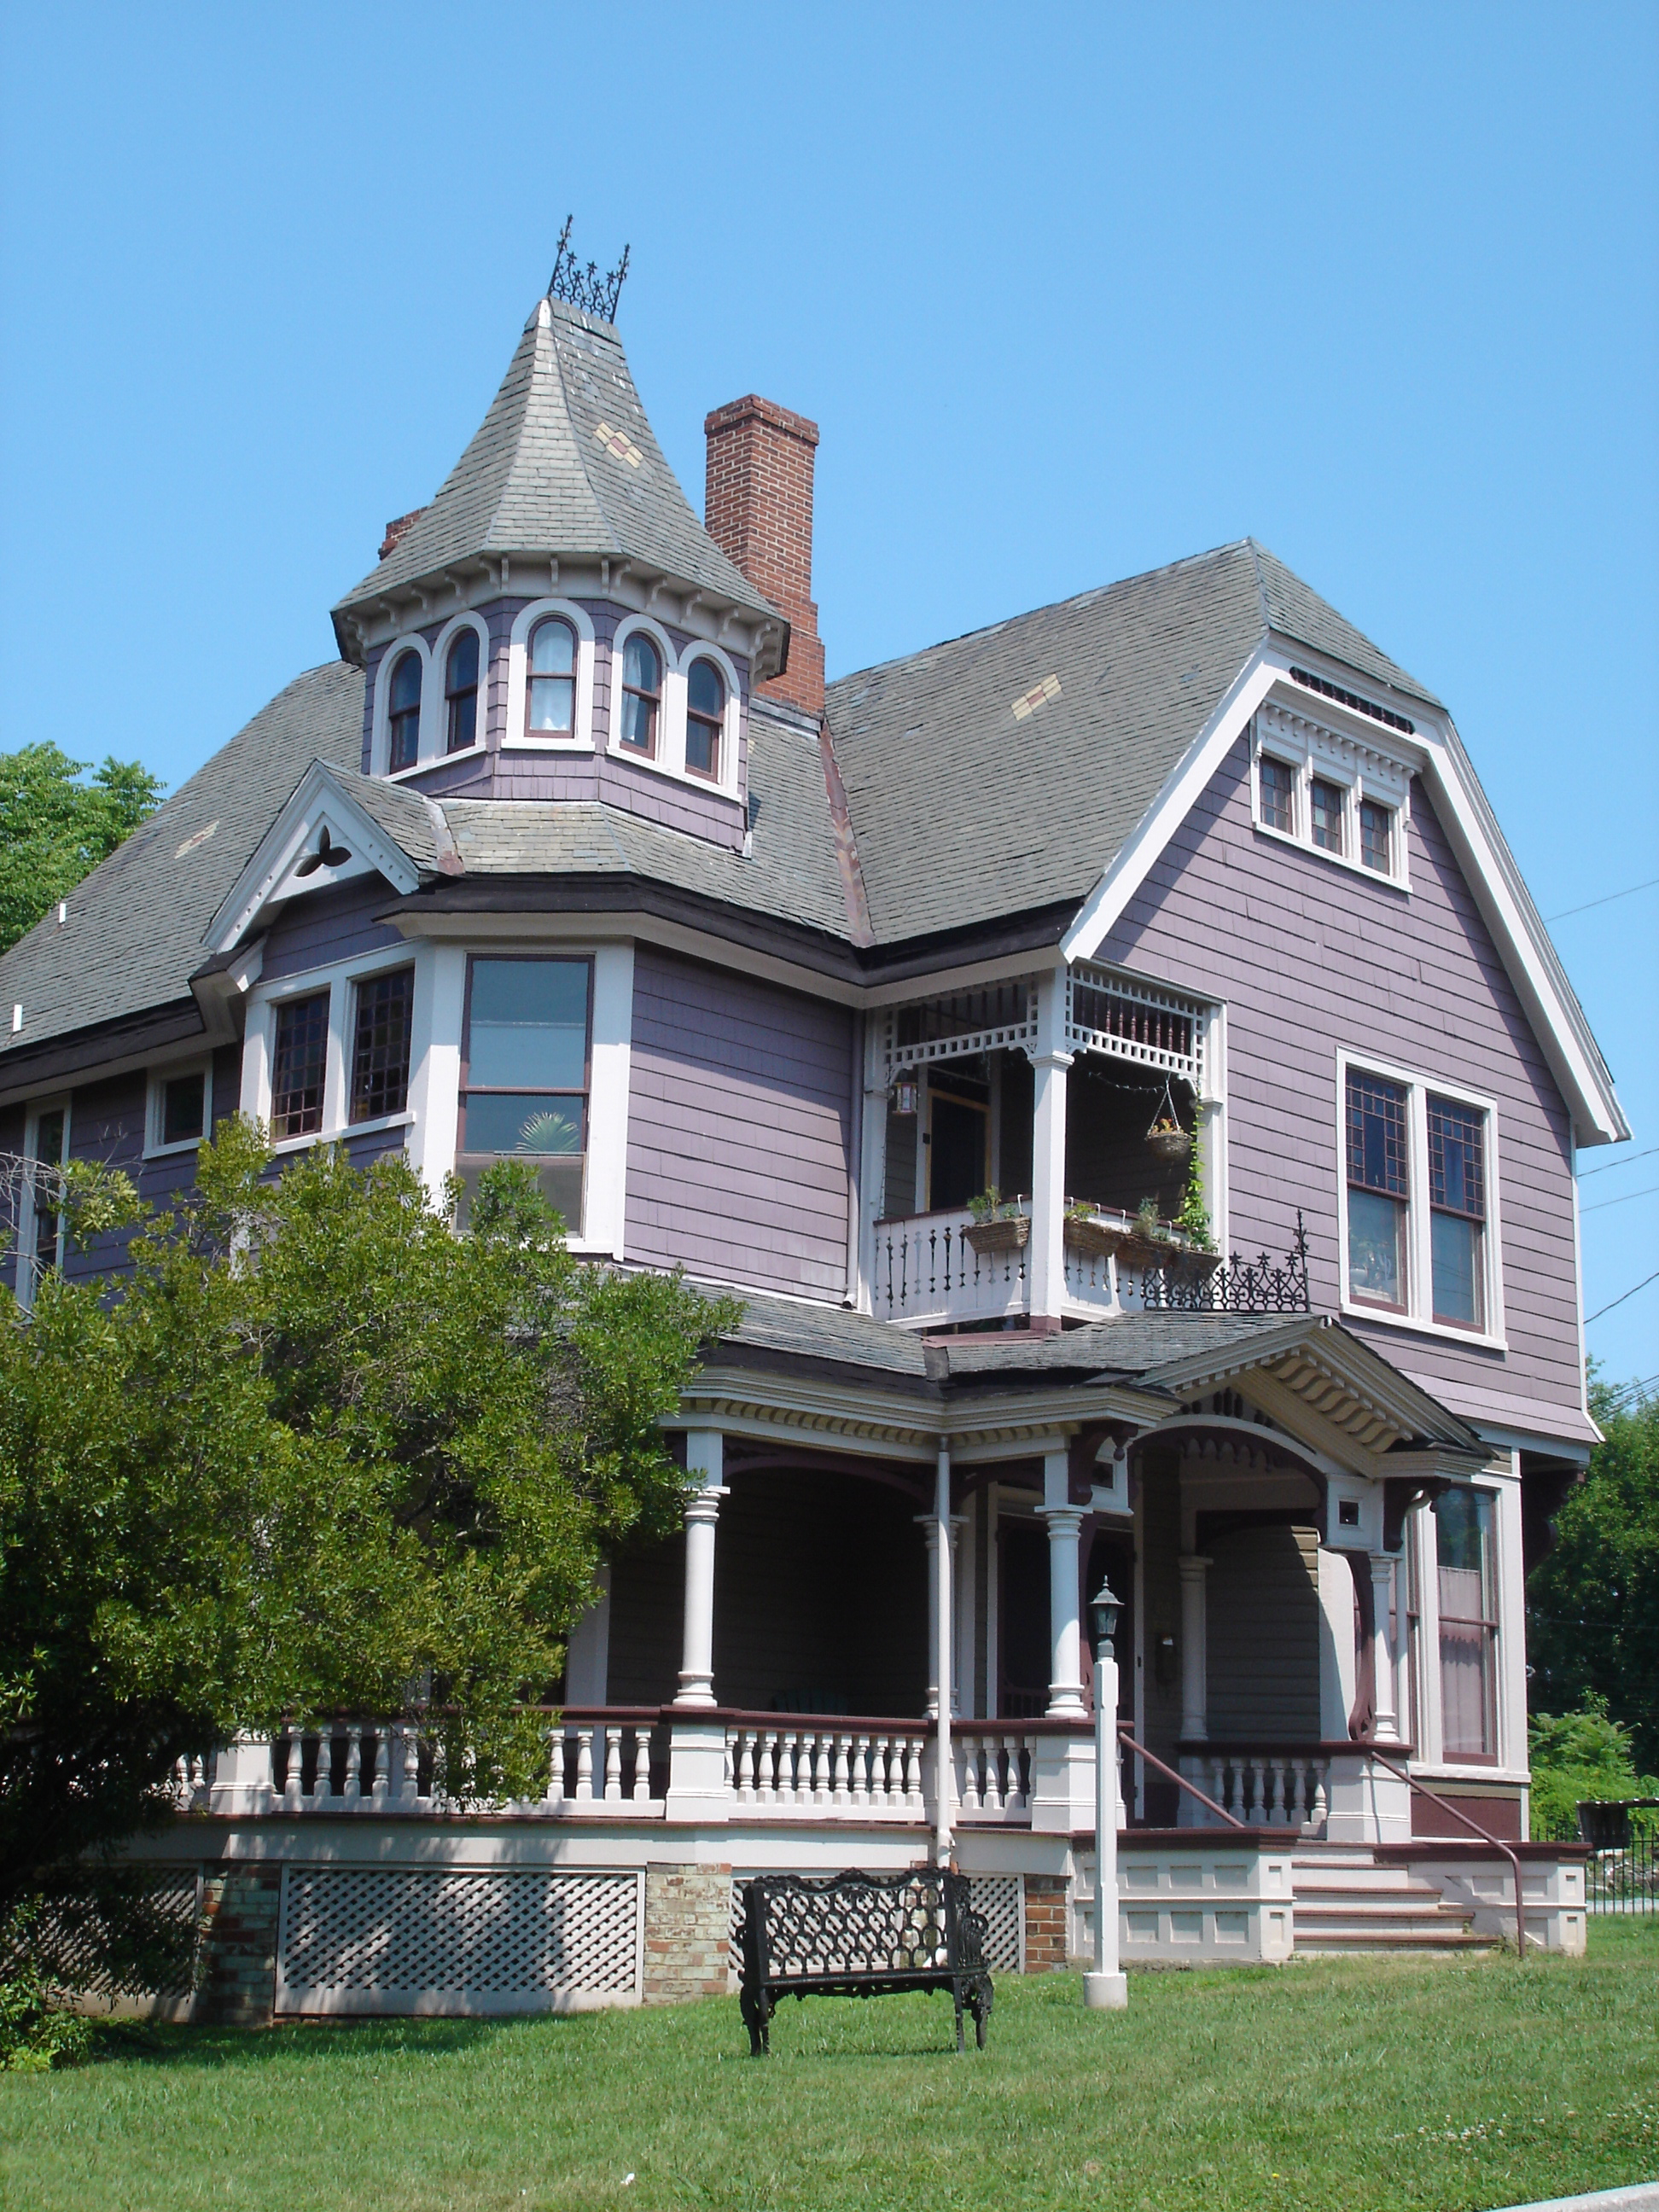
1345,1901
1390,1939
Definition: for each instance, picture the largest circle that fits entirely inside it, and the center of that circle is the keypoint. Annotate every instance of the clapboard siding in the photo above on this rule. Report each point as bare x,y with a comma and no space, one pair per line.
1330,958
329,926
738,1129
1261,1635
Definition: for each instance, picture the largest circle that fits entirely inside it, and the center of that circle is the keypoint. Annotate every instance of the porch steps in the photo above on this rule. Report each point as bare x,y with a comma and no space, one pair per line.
1345,1901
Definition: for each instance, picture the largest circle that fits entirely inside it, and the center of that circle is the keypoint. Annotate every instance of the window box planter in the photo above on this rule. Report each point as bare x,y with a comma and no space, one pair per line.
1127,1242
1011,1234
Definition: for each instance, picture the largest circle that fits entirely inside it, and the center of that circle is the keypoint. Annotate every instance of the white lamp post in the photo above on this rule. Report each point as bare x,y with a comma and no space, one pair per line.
1105,1989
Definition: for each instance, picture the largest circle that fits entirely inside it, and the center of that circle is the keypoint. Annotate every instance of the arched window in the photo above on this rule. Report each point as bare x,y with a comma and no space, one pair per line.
404,713
705,716
461,691
553,679
641,694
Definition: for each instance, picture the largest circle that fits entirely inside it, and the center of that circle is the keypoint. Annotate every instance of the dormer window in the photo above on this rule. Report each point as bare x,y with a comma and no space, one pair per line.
1278,794
705,717
642,704
404,713
1325,814
553,679
1376,836
461,691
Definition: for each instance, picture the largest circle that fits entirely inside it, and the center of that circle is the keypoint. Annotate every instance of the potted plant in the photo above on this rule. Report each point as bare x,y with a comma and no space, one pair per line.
1094,1233
1166,1137
998,1224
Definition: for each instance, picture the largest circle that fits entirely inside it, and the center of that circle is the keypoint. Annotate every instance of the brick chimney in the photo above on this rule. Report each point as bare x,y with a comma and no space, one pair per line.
758,510
397,528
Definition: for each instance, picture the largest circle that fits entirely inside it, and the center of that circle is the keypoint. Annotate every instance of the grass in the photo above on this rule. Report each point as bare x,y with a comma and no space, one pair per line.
1361,2084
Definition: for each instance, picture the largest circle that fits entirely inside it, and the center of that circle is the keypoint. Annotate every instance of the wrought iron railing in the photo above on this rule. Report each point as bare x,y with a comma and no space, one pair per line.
1261,1285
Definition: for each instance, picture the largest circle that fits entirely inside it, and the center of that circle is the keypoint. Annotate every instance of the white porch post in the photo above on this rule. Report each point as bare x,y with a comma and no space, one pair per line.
1194,1650
940,1545
697,1787
1065,1522
1387,1726
1050,1062
704,1461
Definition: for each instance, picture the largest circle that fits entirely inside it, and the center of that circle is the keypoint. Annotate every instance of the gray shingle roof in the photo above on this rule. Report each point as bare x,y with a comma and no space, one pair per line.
537,478
133,935
963,812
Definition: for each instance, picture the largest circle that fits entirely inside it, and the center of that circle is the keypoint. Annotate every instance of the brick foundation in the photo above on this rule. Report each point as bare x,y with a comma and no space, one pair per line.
1045,1915
688,1915
238,1980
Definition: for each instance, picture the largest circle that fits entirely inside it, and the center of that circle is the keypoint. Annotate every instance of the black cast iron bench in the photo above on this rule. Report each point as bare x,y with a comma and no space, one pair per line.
861,1936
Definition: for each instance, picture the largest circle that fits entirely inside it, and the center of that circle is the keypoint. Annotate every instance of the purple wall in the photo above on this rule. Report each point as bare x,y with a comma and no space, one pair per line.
328,925
596,775
1310,956
738,1129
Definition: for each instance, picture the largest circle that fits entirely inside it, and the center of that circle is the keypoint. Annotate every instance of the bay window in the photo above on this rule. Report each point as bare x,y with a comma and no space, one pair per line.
380,1058
1465,1561
299,1064
525,1070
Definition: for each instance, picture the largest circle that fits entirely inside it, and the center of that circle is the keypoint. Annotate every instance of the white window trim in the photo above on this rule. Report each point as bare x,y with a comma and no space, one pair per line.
22,1275
1419,1318
155,1149
1309,751
1509,1660
434,726
339,980
518,738
670,761
379,751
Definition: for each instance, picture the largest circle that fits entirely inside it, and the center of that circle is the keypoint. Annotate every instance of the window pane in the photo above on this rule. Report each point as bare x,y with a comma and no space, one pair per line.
705,690
1377,1135
406,683
553,649
184,1102
641,669
298,1067
702,746
49,1133
1376,836
1377,1248
1325,805
553,705
639,727
405,740
526,1121
529,1025
1277,794
379,1058
1458,1270
463,662
1468,1623
1457,1177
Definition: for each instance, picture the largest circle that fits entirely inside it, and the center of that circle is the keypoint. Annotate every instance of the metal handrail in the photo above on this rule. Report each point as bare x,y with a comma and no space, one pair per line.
1169,1772
1447,1805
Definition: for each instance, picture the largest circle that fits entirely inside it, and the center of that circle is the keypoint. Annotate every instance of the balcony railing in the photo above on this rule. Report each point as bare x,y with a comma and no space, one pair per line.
946,1267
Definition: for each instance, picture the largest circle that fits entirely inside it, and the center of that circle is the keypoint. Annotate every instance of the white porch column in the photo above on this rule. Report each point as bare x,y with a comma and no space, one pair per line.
941,1546
1387,1726
1194,1652
1065,1522
1050,1062
704,1461
928,1524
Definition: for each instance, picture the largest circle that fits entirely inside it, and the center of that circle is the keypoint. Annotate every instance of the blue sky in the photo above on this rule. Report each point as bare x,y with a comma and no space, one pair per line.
1071,292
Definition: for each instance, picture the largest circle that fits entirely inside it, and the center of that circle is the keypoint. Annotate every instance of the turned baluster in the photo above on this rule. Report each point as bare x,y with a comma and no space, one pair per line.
968,1787
1277,1813
1258,1780
612,1765
1298,1794
554,1793
821,1744
999,1795
742,1753
912,1772
584,1765
789,1768
843,1783
641,1766
353,1790
1319,1811
861,1770
291,1779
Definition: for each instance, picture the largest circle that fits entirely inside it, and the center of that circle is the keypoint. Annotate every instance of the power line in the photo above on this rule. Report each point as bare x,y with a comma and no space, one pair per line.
1601,1204
1607,1166
1629,892
1623,1295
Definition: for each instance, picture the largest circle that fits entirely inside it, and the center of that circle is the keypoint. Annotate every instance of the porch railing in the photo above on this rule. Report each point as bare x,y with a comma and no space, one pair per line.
787,1764
927,1270
1265,1786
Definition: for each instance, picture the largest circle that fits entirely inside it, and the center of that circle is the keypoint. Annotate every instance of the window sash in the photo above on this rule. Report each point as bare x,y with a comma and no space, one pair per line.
1378,1146
1325,804
702,746
461,691
181,1124
383,1030
299,1066
548,1114
1376,836
404,714
1465,1566
1276,779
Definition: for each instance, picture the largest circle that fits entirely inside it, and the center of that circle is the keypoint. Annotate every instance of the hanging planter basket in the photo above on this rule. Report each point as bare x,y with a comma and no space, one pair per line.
1166,1138
1009,1235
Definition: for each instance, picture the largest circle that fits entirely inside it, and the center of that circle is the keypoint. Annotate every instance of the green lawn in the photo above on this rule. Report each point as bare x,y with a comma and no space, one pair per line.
1362,2083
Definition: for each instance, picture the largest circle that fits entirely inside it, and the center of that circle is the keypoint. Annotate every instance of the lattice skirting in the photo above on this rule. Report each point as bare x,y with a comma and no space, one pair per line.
1000,1897
365,1940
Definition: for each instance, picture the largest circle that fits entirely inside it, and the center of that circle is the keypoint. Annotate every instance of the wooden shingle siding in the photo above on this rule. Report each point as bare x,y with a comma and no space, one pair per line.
1310,956
738,1129
1262,1636
329,926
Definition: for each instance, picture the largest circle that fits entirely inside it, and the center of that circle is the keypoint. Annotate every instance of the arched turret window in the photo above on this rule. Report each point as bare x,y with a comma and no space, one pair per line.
553,679
461,691
705,717
641,700
404,713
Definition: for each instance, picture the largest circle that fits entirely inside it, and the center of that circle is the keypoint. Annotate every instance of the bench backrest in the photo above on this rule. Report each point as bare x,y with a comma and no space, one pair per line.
800,1929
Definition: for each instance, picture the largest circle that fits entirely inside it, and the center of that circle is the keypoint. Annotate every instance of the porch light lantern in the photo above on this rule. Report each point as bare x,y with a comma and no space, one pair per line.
1105,1989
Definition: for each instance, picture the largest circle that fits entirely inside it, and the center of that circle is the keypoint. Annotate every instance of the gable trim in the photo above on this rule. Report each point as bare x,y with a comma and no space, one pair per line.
319,797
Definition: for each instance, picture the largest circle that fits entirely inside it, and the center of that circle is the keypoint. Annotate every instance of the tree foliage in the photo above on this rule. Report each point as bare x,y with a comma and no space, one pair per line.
319,1454
1579,1755
1593,1605
55,829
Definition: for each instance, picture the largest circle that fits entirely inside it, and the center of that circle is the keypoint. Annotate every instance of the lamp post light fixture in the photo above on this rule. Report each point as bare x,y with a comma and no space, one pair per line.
1105,1989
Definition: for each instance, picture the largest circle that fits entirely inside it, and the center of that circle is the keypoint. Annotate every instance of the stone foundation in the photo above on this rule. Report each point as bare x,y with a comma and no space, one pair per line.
688,1912
1047,1913
239,1978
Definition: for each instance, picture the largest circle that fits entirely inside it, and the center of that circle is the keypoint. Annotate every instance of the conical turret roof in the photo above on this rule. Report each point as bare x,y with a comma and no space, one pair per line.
564,463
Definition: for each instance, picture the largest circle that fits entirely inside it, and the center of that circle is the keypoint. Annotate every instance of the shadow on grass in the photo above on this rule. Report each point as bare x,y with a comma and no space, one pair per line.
166,2046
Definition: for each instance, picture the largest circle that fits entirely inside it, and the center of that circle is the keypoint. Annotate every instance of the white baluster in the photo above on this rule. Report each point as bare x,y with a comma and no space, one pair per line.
993,1797
1276,1813
612,1764
880,1746
843,1786
1319,1811
354,1774
821,1769
765,1756
913,1798
1298,1794
744,1740
1015,1798
1236,1800
293,1781
554,1793
642,1765
861,1770
1258,1780
789,1791
411,1766
968,1787
585,1766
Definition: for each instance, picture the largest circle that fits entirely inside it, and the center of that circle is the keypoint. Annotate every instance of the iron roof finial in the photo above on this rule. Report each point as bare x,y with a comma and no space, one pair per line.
585,287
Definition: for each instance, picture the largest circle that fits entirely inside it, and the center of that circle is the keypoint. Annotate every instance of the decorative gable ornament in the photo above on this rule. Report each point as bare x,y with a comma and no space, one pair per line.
323,837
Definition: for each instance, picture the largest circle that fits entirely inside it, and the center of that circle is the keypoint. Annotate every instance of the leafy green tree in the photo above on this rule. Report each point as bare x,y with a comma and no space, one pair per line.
55,829
1579,1755
1593,1605
320,1453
